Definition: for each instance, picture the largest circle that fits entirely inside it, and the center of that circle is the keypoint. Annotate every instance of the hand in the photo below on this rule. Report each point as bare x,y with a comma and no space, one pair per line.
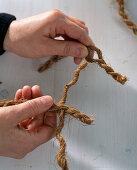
34,123
34,37
15,140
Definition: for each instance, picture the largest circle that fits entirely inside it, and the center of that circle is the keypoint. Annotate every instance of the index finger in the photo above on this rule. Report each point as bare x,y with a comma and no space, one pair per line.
74,31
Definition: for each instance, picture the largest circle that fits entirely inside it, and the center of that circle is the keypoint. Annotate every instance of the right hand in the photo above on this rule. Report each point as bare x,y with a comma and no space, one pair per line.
34,37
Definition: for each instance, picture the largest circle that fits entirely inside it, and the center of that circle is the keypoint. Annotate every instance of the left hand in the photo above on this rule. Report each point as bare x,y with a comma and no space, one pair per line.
36,122
24,127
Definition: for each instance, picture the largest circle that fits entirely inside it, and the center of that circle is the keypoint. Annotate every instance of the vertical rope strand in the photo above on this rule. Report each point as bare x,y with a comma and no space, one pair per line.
125,18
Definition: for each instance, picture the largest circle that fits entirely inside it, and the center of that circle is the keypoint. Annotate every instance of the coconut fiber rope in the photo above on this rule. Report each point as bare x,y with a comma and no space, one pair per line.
100,61
125,17
62,109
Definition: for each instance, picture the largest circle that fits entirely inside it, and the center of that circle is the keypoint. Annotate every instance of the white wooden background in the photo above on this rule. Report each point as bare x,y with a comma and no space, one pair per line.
109,144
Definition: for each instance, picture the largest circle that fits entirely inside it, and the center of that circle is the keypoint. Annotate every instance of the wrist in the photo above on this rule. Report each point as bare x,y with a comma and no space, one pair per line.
8,40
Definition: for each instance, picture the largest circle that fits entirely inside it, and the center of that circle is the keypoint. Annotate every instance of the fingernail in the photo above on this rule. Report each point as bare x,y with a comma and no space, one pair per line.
47,100
81,52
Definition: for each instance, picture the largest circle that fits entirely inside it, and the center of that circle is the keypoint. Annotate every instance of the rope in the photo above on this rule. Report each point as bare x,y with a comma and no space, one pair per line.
61,109
125,18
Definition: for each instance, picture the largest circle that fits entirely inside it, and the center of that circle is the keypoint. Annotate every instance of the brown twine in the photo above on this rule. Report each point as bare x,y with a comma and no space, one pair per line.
49,63
100,61
61,109
125,17
55,108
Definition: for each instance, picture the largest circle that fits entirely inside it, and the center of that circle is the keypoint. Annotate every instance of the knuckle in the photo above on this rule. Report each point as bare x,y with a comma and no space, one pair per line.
56,12
81,21
67,49
83,36
86,28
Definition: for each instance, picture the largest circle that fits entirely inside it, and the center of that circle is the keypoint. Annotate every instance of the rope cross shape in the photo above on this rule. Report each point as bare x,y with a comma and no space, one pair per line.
61,109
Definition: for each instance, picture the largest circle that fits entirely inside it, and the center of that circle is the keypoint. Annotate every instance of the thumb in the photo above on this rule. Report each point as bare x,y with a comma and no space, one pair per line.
29,109
67,48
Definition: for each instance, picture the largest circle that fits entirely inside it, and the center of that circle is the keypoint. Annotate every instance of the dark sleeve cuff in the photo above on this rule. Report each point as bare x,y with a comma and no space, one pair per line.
5,21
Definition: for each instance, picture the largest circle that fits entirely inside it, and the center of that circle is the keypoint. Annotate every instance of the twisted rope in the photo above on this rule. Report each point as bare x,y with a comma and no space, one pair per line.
57,108
100,61
61,109
49,63
125,17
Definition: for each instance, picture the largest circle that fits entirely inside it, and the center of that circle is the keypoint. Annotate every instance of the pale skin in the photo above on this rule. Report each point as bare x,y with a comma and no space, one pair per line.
25,126
19,134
